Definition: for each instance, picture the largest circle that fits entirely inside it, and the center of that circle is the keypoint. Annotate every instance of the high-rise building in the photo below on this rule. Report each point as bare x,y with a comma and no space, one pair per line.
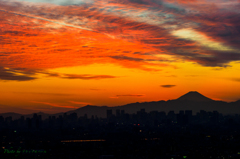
118,112
122,112
181,112
188,112
171,116
109,113
189,116
215,117
29,123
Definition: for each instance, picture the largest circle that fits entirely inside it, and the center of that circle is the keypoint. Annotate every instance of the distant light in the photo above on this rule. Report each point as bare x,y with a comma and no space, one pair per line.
184,156
138,124
15,131
140,130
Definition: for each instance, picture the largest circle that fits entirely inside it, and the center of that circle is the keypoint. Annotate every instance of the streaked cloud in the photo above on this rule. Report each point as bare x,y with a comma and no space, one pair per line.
80,103
55,105
116,30
131,95
45,94
87,76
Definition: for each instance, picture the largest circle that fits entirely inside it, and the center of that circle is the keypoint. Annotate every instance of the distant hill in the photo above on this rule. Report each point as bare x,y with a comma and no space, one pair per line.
13,115
190,101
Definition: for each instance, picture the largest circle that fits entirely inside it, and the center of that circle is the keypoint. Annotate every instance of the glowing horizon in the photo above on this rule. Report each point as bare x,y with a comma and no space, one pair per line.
61,55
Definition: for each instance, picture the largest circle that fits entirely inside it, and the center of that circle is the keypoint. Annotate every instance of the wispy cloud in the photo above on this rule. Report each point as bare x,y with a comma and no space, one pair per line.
131,95
54,105
80,103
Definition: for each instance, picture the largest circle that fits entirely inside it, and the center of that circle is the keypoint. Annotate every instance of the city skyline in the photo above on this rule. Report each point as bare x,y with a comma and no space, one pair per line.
57,56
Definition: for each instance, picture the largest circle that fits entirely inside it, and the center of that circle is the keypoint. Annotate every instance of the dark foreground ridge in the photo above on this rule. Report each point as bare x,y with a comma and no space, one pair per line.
122,136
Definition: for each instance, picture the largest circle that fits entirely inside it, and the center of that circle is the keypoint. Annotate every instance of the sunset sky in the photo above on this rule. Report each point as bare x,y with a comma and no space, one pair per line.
59,55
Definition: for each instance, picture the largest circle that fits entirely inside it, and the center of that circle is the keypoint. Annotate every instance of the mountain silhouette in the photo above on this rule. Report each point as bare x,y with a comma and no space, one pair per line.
190,101
194,96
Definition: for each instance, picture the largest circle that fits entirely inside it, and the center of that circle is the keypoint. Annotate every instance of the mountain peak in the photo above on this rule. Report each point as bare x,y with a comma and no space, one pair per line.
194,96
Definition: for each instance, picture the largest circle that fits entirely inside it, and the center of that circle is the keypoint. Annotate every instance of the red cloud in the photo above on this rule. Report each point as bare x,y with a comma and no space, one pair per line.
63,36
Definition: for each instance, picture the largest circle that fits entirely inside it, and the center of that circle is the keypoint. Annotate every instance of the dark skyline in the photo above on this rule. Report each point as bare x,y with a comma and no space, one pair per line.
193,101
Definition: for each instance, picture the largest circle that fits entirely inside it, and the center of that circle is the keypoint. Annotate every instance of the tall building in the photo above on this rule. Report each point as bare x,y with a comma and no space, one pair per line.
203,116
188,112
29,123
1,119
118,112
189,116
181,112
215,117
171,115
109,113
122,112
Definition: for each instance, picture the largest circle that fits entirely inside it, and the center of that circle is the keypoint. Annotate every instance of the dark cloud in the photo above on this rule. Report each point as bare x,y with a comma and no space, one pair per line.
126,58
16,33
75,76
86,76
217,58
13,75
50,74
139,1
236,79
168,86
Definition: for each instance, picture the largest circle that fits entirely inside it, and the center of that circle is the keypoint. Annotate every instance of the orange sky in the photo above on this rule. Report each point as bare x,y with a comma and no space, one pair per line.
64,55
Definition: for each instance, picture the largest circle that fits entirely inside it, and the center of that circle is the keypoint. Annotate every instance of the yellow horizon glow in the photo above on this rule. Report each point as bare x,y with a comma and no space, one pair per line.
60,92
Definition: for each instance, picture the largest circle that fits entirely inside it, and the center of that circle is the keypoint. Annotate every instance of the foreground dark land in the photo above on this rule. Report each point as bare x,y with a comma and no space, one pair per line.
142,135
